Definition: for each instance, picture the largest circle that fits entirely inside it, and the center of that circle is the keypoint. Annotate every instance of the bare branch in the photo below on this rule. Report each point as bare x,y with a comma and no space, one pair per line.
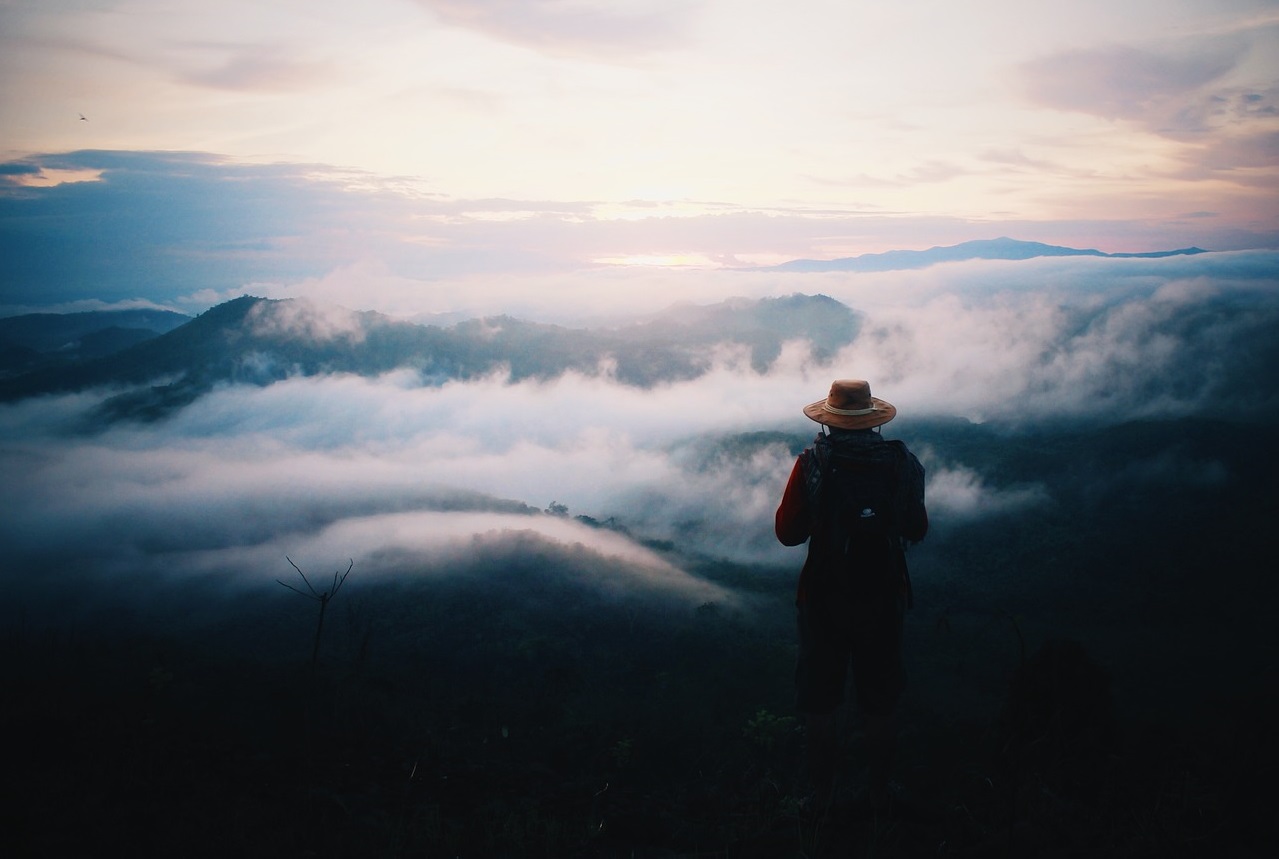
337,583
295,590
309,587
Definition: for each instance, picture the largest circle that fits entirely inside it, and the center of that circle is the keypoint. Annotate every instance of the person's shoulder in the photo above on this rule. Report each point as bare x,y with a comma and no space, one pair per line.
910,461
904,453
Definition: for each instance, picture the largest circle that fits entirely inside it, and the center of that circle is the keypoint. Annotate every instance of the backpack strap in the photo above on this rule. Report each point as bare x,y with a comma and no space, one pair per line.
816,464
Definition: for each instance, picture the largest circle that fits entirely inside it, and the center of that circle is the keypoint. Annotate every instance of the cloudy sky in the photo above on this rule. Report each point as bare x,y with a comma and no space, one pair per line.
409,141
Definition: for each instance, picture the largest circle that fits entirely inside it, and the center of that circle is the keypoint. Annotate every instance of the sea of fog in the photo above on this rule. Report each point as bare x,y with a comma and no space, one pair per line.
403,478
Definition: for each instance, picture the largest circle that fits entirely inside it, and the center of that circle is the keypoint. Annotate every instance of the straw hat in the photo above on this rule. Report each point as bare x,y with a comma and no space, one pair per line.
850,406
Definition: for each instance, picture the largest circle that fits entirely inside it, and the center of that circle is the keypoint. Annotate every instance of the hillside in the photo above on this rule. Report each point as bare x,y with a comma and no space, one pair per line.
259,341
1056,705
37,340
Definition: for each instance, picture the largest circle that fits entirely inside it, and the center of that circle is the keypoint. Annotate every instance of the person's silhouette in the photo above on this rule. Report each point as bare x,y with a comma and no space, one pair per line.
858,499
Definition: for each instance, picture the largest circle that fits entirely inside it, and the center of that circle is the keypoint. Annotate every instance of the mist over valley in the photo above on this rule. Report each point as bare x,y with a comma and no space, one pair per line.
558,526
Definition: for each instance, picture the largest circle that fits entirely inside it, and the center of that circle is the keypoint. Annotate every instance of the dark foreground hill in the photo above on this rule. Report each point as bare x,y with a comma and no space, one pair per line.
1093,678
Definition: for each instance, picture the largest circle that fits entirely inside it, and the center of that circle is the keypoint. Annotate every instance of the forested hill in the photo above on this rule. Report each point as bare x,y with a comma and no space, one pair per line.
35,340
260,341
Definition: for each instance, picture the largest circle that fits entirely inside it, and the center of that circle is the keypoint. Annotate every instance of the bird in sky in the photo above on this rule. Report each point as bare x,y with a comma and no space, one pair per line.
84,118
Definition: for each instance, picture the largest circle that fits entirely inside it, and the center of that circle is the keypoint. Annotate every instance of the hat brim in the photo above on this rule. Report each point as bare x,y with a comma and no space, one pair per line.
883,413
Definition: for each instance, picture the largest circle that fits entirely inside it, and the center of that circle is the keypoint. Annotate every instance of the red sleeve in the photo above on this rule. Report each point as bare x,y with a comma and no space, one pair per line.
791,522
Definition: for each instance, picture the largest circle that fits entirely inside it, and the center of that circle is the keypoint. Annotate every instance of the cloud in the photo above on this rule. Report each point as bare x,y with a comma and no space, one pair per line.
1214,93
1127,82
180,223
258,68
170,220
427,544
608,32
306,319
305,469
933,171
959,493
1071,338
19,169
187,230
1018,160
1259,150
410,479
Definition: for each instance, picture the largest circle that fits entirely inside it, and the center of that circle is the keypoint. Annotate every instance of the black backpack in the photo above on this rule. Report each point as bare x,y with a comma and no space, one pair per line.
859,509
861,493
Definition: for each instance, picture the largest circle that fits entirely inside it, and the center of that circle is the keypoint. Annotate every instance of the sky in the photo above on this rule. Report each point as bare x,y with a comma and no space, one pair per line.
176,153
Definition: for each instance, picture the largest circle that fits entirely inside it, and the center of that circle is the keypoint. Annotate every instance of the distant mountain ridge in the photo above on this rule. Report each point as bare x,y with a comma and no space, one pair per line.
259,341
44,339
991,249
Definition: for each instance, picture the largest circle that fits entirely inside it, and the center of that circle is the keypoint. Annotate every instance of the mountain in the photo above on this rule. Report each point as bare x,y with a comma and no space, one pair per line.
259,341
48,339
762,325
993,249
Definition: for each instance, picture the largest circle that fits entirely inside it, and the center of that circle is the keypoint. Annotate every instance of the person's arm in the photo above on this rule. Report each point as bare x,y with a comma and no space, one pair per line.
916,525
791,522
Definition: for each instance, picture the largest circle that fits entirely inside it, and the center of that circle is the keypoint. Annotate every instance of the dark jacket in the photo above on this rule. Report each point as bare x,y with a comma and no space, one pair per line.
797,515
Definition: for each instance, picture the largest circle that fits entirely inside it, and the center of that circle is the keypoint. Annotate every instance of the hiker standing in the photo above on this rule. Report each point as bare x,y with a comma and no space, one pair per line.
858,499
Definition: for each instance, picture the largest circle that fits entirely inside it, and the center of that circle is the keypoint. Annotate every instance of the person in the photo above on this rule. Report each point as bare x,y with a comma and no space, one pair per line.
854,587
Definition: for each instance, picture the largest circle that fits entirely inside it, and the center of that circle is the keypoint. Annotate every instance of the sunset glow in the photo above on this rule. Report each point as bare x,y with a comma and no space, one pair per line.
528,137
658,260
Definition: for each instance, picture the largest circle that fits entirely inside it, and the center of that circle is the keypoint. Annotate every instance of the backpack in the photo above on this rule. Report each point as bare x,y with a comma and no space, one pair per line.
861,493
858,512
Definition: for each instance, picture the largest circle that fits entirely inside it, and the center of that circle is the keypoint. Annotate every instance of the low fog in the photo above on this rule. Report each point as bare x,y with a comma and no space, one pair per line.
407,479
